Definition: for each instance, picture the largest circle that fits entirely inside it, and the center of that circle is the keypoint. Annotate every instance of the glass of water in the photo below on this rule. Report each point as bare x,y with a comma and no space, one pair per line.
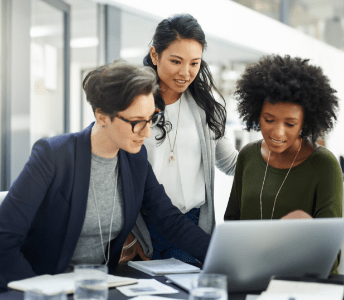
209,287
91,282
39,295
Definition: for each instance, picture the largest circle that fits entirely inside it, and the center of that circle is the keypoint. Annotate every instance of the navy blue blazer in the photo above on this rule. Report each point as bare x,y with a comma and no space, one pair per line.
42,216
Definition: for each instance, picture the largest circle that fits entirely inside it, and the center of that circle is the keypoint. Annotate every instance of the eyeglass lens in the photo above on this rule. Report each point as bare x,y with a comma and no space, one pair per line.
155,120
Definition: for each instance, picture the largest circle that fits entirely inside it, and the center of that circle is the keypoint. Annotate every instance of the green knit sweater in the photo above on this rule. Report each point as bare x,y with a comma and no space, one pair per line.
314,186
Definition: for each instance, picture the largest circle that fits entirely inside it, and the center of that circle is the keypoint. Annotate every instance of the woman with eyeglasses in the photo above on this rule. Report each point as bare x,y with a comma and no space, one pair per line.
79,195
184,154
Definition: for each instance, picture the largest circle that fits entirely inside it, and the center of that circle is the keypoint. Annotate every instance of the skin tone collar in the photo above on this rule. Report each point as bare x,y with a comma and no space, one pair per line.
177,67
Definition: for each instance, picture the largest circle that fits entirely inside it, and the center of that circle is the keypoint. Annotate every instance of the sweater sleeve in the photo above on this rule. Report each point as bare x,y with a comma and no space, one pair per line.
18,211
226,155
329,190
233,207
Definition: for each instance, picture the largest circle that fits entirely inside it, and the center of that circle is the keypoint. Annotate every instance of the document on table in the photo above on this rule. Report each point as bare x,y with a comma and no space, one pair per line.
251,297
162,267
152,298
51,284
146,287
298,290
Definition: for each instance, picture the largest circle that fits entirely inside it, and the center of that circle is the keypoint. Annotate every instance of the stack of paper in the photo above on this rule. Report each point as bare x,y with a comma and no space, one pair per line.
298,290
162,267
52,284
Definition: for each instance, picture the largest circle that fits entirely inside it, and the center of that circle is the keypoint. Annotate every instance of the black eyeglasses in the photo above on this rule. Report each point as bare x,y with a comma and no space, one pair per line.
138,126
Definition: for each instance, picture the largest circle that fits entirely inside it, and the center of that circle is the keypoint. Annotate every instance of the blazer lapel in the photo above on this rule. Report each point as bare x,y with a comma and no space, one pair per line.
130,204
79,197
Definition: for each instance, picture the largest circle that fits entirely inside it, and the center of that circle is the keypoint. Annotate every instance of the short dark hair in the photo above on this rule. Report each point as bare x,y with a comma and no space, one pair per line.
185,26
113,87
285,79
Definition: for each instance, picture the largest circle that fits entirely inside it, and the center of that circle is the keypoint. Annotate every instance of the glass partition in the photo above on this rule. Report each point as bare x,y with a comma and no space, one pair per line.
86,45
46,71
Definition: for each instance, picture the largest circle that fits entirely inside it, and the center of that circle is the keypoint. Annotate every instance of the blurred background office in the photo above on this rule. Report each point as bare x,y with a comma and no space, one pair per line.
47,47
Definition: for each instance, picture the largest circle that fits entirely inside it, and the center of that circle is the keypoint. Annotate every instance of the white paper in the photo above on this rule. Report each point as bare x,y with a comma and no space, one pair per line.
251,297
298,290
146,287
163,266
152,298
323,290
52,284
292,296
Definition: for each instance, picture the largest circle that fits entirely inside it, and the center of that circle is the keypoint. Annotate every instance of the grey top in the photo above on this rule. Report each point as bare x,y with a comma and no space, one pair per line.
103,173
219,153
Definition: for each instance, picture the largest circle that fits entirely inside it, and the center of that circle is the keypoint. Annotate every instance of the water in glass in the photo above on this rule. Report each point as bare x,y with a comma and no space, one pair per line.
91,289
208,293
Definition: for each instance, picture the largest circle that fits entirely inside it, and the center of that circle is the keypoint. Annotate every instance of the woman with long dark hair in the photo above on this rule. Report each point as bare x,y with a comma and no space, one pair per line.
184,154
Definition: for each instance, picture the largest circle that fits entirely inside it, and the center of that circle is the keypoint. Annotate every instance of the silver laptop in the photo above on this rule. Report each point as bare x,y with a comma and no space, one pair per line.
250,252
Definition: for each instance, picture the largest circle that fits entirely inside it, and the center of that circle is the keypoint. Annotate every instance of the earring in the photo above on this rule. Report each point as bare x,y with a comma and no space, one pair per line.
103,126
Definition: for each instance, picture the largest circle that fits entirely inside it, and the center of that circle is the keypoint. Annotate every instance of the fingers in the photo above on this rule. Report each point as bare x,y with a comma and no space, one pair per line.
297,214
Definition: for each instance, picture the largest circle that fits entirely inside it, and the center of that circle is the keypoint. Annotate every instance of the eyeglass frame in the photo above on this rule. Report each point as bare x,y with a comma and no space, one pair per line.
134,123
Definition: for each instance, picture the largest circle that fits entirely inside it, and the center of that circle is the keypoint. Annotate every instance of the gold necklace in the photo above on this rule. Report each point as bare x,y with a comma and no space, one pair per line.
261,192
171,156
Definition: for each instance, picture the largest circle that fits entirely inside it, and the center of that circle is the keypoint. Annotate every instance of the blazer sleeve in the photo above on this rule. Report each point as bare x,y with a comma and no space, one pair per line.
18,211
226,155
170,222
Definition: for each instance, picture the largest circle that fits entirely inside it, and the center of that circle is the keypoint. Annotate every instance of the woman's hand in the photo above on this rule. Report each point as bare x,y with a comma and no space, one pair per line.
131,248
297,214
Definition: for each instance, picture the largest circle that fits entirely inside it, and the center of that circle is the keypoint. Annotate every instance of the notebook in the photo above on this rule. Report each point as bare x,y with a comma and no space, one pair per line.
52,284
161,267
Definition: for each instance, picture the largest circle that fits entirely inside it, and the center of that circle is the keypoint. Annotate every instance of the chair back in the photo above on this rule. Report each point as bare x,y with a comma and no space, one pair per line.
2,196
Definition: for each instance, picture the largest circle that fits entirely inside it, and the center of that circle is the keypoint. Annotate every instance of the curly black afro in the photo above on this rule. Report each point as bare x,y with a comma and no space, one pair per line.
284,79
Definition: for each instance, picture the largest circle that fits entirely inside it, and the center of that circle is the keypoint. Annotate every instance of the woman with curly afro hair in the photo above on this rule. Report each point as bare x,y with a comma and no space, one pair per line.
287,174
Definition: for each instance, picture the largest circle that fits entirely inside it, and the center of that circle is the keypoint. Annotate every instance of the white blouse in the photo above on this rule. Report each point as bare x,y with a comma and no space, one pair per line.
183,180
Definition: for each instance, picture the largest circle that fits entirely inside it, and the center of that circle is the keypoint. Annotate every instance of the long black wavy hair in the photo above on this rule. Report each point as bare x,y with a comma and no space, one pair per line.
285,79
185,26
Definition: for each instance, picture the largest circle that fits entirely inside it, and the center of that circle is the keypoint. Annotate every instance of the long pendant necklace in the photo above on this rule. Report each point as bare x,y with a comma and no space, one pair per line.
261,192
113,209
171,156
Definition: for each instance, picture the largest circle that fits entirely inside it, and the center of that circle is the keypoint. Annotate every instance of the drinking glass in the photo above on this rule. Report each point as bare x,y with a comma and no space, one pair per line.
91,282
209,287
39,295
